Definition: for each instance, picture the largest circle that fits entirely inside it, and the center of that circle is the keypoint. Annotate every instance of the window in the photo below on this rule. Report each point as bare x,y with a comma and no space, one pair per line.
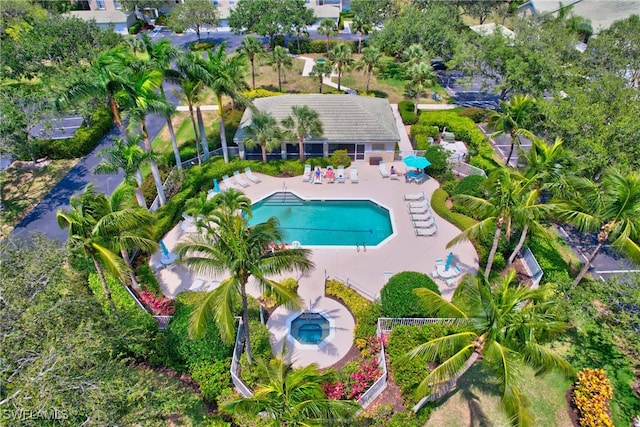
117,5
377,147
100,4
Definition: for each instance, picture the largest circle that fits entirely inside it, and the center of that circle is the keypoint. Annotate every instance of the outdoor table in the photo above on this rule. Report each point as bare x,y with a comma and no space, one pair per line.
168,259
446,274
413,175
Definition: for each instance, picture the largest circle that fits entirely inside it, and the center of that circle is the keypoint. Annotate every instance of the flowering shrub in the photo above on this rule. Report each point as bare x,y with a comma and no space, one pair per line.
363,379
591,396
158,306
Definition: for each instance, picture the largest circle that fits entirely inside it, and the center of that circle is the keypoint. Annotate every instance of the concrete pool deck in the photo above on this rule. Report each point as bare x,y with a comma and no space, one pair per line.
366,270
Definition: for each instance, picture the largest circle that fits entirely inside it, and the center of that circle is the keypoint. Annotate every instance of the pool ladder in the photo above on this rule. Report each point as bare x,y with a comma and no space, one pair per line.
364,247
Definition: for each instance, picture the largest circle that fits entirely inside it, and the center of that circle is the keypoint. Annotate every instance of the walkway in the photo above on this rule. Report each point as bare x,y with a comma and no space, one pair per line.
306,72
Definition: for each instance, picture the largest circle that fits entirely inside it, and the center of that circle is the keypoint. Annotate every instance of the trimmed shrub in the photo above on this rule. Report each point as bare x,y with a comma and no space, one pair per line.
85,139
470,185
398,299
591,396
420,135
259,93
476,114
200,45
147,279
406,112
367,323
463,127
439,168
365,313
135,28
340,158
161,19
212,377
439,205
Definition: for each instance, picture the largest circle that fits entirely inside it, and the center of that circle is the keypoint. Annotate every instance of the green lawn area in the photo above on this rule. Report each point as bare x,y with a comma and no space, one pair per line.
476,401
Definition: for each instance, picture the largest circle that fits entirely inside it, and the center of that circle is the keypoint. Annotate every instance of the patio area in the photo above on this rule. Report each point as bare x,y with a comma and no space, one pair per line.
365,269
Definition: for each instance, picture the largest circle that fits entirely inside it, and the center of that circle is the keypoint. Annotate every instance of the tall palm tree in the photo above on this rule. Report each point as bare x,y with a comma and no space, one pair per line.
611,207
140,100
99,231
235,247
225,76
127,155
320,70
264,132
502,325
370,60
161,54
252,48
279,58
503,189
415,54
362,27
304,122
420,76
341,57
527,214
547,165
190,77
513,118
329,28
293,397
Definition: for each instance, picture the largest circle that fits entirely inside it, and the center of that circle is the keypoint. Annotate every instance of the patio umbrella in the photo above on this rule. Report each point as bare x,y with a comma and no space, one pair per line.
216,187
416,162
164,249
447,264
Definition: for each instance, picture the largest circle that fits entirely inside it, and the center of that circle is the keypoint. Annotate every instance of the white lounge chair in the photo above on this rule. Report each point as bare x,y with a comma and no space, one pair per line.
423,224
239,180
306,176
382,166
422,217
414,197
426,231
353,174
451,282
422,210
251,176
393,175
417,204
331,177
340,174
228,183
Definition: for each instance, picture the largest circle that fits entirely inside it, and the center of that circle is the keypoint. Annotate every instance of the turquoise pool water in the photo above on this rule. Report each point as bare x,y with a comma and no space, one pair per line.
325,222
310,328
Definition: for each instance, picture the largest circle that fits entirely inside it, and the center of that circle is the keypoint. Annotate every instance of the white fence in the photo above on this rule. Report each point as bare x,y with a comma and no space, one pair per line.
350,283
386,324
533,268
163,321
240,386
461,168
379,386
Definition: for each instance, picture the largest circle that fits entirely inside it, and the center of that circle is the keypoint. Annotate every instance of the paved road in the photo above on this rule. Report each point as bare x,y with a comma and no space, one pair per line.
43,217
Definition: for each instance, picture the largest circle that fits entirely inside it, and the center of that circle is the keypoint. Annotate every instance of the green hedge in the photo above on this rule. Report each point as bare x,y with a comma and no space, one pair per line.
212,377
259,93
366,313
420,136
440,168
398,299
147,279
463,127
317,46
476,114
135,28
199,46
406,112
85,138
260,349
439,205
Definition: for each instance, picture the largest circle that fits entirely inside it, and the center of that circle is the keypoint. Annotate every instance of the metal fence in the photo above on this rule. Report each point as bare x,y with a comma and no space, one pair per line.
162,321
386,324
238,348
533,268
350,283
461,168
379,386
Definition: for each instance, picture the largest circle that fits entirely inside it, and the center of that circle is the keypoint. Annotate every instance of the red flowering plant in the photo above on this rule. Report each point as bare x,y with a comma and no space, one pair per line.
158,306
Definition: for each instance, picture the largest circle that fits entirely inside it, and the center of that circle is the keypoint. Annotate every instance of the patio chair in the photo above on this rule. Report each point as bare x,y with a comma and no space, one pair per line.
421,210
423,224
426,231
157,266
451,282
251,176
434,274
382,166
439,261
422,217
330,174
353,176
417,204
306,176
414,197
393,175
340,175
228,183
239,180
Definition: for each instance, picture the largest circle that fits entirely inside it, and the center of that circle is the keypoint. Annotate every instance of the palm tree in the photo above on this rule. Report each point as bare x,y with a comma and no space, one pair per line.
252,48
362,27
161,55
141,99
611,207
235,247
191,80
414,54
502,325
420,75
280,57
225,76
513,118
263,131
503,189
547,165
370,60
527,213
303,122
130,157
293,397
341,57
329,28
320,70
99,231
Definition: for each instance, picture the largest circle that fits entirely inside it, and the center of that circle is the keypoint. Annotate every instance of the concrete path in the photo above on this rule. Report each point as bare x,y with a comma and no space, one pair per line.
405,142
202,108
435,107
306,71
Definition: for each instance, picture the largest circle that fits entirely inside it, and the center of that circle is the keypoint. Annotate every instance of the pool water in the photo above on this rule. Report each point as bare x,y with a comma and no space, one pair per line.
310,328
325,222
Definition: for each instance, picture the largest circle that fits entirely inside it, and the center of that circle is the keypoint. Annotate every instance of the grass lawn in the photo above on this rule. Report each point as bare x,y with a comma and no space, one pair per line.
23,187
476,401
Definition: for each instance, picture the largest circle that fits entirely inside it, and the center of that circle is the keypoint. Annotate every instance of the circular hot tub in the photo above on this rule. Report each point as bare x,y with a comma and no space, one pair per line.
309,328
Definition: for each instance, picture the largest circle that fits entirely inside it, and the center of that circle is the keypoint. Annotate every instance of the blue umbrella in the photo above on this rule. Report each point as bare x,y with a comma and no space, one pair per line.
165,251
216,187
416,162
448,263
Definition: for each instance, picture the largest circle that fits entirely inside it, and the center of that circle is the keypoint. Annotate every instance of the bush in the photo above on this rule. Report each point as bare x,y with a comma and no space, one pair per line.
365,313
421,134
367,322
340,158
201,45
317,46
439,205
591,396
157,305
270,300
470,185
259,93
476,114
406,112
260,349
161,19
85,139
183,352
212,377
390,69
149,186
439,168
135,28
398,299
147,279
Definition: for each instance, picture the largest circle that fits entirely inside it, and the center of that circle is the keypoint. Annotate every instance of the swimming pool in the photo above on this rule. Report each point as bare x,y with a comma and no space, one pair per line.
325,222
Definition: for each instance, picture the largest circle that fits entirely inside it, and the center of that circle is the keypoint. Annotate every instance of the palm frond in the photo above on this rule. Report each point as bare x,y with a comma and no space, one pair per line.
450,370
217,305
441,347
436,304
